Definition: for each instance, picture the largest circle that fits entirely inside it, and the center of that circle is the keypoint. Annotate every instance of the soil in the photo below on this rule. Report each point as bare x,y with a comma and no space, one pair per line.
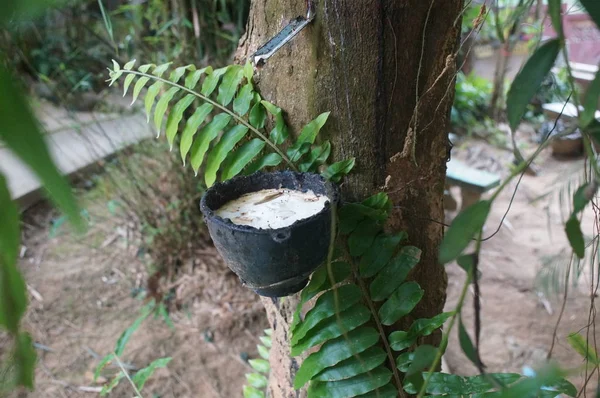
83,296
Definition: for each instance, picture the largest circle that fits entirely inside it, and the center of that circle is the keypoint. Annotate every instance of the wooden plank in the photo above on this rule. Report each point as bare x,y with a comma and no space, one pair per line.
462,175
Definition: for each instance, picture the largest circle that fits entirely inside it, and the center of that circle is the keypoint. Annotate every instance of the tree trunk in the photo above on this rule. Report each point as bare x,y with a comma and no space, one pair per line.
367,61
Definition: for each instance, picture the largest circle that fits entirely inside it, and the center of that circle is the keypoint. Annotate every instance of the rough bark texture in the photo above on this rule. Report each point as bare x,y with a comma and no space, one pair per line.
367,61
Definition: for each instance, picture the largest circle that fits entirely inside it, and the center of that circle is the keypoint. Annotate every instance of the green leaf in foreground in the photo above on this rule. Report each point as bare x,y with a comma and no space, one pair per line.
20,132
575,236
462,230
590,102
593,8
529,79
582,347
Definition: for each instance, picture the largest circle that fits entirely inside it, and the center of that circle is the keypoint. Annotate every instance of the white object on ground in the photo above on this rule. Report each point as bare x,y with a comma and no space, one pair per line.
272,208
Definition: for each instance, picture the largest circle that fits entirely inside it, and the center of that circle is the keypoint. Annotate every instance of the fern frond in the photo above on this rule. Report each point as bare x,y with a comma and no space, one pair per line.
218,134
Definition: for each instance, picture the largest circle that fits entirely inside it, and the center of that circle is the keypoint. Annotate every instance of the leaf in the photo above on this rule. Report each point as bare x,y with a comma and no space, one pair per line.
380,252
139,85
20,132
160,69
248,71
146,67
318,155
424,356
228,87
175,117
257,380
579,344
466,344
280,132
25,358
180,71
129,65
404,360
161,108
103,363
593,8
462,230
192,79
362,237
241,104
258,116
352,214
353,387
335,351
128,80
221,150
394,273
10,233
191,127
481,383
320,279
401,340
336,171
150,97
205,137
400,303
260,365
528,81
333,327
126,335
211,81
251,392
358,364
263,351
579,198
240,158
387,391
328,304
575,236
443,383
307,137
266,340
590,102
140,378
269,160
113,383
554,9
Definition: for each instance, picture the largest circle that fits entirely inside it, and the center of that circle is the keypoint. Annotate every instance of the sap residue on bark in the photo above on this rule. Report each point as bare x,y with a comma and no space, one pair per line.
272,208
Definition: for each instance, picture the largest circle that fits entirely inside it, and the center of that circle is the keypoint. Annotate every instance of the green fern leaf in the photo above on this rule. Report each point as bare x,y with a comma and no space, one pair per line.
192,79
380,252
402,340
211,81
139,85
318,156
260,365
334,352
150,97
327,305
387,391
179,72
175,117
240,158
161,108
248,71
191,127
241,104
258,116
354,366
252,392
365,384
129,65
269,160
394,273
146,67
363,236
220,152
263,351
116,66
401,303
336,171
307,136
228,86
280,132
161,69
128,81
266,340
205,137
321,279
257,380
333,327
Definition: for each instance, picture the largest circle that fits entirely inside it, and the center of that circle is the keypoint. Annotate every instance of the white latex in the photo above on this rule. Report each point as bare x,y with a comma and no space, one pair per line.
272,208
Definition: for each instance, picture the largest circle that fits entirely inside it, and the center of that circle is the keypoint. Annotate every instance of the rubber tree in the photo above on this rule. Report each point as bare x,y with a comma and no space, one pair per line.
385,69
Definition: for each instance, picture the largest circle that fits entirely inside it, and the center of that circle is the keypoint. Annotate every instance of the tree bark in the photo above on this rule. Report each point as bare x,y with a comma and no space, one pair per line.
367,61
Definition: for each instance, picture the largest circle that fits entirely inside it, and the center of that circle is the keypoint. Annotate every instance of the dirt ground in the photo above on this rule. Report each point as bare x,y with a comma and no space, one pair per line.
83,297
